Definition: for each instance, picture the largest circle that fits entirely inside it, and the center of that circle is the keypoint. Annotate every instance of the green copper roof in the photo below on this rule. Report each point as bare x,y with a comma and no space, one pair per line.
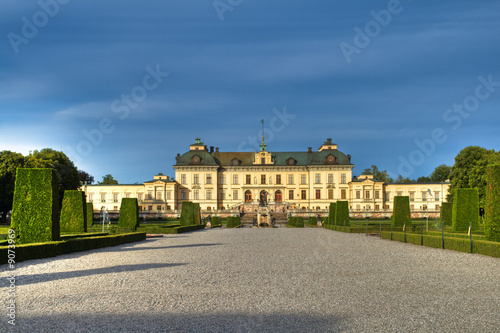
279,158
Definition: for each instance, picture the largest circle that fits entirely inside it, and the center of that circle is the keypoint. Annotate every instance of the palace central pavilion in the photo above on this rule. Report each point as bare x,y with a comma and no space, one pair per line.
308,180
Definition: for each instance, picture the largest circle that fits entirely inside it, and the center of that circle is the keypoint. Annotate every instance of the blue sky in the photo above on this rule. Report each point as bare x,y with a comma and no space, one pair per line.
122,87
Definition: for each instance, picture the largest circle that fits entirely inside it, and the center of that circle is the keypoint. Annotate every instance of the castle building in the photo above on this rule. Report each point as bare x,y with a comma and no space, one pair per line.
283,181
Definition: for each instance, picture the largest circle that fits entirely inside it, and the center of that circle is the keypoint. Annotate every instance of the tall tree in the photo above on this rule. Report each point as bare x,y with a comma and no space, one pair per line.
85,177
9,162
107,179
401,180
441,173
67,173
423,179
469,170
381,175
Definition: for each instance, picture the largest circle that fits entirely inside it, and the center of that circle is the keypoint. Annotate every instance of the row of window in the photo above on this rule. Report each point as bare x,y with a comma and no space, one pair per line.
248,195
264,179
367,194
140,196
386,207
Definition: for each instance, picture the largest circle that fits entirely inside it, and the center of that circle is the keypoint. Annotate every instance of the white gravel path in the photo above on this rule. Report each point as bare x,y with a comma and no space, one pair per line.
258,280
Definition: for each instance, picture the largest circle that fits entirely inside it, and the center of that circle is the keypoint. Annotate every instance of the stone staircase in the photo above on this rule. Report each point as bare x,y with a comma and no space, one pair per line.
279,218
247,218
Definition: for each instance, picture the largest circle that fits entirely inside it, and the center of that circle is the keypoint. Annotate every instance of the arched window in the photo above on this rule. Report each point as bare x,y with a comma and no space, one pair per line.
248,196
278,197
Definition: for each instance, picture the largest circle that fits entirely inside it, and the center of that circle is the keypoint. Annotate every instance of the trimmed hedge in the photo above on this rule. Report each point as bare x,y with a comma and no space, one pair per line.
465,209
35,208
446,215
342,213
236,221
172,229
401,212
129,214
299,223
331,213
230,222
197,213
313,220
450,243
73,212
52,249
190,213
90,214
492,203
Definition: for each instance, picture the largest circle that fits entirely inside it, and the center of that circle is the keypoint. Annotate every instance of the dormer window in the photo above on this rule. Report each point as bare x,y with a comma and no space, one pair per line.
291,161
195,160
235,162
330,159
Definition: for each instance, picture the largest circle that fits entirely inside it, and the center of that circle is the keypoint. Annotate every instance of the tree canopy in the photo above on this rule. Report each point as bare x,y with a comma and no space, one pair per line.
68,176
469,170
381,175
107,179
9,162
85,177
441,173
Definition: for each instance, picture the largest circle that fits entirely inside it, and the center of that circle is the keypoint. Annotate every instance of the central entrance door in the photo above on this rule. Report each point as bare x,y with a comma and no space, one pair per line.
263,198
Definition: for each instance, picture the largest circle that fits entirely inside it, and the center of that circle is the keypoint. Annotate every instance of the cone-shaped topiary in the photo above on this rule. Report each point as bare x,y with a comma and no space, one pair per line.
73,212
331,213
492,203
129,214
401,212
342,213
90,214
465,209
446,213
35,207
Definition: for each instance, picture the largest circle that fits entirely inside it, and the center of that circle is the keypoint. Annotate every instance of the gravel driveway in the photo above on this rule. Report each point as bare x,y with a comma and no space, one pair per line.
258,280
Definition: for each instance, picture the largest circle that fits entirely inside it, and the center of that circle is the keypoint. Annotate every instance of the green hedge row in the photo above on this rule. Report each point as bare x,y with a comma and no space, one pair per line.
492,203
450,243
52,249
446,213
313,220
401,212
73,212
465,209
35,208
299,222
171,230
129,214
216,221
233,222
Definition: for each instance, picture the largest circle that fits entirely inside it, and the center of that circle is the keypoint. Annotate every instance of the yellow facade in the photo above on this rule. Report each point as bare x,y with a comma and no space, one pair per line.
282,181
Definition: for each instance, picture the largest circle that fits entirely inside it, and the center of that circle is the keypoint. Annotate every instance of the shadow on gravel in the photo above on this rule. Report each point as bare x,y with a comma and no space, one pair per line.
138,248
195,322
45,277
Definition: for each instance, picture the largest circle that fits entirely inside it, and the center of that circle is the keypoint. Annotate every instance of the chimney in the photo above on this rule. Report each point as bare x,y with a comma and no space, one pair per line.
217,149
309,149
211,149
